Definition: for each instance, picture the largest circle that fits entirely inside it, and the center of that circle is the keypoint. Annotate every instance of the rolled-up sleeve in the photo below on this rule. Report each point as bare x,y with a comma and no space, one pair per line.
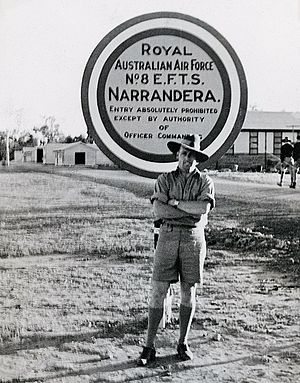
207,192
160,190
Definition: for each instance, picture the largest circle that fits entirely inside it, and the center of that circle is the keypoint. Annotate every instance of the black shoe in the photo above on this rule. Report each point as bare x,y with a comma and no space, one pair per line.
279,183
293,185
147,356
184,353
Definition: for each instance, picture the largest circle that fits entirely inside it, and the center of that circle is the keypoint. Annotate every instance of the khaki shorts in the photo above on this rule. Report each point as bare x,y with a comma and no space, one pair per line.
180,252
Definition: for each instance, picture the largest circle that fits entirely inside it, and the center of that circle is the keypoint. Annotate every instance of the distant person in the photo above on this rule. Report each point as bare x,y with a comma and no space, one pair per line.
286,159
296,157
182,199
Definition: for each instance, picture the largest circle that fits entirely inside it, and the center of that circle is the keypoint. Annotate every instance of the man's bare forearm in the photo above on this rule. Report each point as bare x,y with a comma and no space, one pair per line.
165,211
195,208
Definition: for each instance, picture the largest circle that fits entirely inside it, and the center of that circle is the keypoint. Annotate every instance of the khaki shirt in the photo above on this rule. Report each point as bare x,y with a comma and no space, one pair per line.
195,187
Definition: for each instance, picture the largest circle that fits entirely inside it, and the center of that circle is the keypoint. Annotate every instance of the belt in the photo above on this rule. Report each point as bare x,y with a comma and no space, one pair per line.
171,225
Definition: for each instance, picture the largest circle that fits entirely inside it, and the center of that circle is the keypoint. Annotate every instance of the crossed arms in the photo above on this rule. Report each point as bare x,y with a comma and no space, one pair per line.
173,210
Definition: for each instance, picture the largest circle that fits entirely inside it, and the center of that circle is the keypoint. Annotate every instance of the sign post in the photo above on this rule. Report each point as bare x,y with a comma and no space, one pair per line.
158,77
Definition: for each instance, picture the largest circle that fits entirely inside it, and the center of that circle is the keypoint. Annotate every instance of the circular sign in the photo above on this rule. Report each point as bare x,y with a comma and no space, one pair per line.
159,77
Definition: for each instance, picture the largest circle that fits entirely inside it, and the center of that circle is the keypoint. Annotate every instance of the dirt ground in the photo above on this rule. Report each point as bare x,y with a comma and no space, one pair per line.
246,327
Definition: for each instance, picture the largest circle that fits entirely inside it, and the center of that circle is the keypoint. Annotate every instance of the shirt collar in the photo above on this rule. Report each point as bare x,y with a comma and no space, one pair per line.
181,173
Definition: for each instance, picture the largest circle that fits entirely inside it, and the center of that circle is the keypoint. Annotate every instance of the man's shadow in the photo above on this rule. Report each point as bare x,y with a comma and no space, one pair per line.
161,364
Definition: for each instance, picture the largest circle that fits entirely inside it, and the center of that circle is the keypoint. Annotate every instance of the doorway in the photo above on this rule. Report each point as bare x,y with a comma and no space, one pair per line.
80,158
39,155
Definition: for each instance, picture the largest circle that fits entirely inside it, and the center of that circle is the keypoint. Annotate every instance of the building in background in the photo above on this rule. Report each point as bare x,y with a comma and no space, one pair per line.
18,155
61,154
76,153
31,154
49,154
101,159
264,131
79,153
258,145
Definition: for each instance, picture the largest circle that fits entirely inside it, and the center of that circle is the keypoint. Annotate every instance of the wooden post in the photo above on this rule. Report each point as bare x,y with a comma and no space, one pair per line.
167,314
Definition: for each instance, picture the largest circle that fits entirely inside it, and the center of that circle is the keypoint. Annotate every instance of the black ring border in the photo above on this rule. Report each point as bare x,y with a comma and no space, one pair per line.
152,157
150,16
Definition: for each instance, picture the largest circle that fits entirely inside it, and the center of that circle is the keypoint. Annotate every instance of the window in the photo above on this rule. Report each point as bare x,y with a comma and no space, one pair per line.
277,143
253,142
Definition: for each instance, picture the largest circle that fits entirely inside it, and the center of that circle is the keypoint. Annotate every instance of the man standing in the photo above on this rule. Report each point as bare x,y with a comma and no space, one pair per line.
287,161
296,157
182,200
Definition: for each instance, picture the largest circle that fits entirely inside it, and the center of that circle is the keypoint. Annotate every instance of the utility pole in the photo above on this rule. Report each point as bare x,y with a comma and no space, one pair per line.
293,129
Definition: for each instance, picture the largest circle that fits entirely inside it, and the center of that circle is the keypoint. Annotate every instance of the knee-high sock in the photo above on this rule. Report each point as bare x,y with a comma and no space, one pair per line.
281,177
154,318
185,320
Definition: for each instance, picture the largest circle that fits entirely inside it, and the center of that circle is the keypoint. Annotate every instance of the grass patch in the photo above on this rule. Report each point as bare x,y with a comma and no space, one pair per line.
45,214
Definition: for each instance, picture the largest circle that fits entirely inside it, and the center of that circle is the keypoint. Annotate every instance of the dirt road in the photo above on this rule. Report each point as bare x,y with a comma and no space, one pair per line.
246,328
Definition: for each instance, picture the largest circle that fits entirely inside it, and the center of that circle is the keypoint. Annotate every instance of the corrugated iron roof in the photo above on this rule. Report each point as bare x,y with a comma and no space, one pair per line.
271,121
71,145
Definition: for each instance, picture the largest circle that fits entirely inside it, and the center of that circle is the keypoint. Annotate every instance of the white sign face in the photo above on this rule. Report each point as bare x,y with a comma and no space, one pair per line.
160,77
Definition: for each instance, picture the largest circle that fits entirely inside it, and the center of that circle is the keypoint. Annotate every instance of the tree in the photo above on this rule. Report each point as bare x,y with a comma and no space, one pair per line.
2,146
50,130
7,146
80,138
13,121
16,134
69,139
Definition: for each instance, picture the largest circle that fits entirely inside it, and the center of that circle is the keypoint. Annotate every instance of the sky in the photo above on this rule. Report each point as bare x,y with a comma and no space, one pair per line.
45,45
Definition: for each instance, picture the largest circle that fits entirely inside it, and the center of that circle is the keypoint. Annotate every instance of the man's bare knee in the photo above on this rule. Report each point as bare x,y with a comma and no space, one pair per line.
188,294
158,293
